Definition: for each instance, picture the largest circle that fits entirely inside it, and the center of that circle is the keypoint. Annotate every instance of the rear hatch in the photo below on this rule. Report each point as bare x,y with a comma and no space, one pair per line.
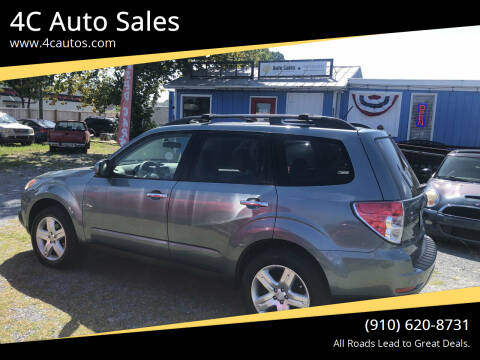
398,183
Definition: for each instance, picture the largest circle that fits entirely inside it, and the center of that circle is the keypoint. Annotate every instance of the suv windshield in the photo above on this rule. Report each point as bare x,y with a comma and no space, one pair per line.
7,119
460,168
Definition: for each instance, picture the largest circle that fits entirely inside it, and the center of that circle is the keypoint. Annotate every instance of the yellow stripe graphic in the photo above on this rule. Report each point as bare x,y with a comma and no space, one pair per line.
448,297
25,71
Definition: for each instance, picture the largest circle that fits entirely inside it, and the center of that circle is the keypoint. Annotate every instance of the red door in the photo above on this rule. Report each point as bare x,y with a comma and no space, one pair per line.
260,105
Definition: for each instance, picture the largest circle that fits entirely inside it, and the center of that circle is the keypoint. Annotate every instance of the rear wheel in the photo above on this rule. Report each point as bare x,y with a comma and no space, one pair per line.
283,280
54,240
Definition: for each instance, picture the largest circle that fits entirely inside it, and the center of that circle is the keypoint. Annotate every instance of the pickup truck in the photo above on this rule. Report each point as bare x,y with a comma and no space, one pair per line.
69,134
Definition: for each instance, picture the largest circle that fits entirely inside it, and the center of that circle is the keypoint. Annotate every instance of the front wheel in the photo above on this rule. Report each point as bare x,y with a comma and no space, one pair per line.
54,240
283,280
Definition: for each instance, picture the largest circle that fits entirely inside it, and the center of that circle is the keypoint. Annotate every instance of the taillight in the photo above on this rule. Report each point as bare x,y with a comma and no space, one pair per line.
384,217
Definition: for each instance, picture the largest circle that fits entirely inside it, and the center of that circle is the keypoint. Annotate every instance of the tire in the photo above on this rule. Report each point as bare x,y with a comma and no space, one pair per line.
309,281
54,256
53,149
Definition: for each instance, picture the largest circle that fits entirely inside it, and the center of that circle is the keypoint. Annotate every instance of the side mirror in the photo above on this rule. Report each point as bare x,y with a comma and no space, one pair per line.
425,174
426,171
102,168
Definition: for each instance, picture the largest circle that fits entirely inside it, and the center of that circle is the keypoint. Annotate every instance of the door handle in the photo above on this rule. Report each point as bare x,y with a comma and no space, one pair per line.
156,195
254,203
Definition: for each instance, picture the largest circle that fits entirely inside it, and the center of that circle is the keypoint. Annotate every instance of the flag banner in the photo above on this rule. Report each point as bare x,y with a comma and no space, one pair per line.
123,130
376,108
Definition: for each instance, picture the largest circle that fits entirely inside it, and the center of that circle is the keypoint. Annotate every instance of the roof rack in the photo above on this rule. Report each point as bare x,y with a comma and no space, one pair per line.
303,120
363,126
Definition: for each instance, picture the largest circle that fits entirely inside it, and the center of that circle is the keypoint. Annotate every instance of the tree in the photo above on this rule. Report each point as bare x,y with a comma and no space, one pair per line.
103,88
30,88
250,55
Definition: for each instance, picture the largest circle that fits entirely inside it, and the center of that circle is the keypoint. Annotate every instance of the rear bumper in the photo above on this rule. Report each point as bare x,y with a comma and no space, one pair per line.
451,227
381,273
66,144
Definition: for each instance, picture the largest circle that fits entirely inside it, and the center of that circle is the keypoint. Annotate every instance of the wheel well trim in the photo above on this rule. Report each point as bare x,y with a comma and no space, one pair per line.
47,200
272,243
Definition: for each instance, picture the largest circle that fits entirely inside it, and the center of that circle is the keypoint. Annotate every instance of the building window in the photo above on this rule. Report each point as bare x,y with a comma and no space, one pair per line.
196,105
422,116
263,105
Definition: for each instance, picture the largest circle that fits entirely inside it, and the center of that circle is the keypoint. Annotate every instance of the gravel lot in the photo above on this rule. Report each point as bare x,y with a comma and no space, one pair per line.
113,290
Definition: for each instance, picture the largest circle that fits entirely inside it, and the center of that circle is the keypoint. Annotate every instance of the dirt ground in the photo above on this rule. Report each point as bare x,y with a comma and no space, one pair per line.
112,290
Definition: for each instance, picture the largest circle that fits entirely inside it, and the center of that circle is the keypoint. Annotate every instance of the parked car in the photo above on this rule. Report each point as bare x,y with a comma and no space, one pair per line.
70,134
424,156
98,125
427,143
13,132
41,128
453,209
296,212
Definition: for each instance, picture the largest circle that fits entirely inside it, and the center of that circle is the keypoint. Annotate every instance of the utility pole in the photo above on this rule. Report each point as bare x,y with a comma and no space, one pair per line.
40,101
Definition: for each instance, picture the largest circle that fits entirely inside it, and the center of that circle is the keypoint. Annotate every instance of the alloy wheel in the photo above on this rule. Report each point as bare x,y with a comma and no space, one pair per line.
277,287
51,238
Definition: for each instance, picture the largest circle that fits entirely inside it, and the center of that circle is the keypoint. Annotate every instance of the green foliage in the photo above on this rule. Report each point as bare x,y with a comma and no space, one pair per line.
97,87
102,88
250,55
30,88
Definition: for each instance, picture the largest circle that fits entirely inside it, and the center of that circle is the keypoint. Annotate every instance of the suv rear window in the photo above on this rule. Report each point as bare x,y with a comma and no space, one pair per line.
312,161
70,125
399,167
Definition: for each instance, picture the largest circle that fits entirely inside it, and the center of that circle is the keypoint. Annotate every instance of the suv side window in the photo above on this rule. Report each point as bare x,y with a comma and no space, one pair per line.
231,158
312,161
156,158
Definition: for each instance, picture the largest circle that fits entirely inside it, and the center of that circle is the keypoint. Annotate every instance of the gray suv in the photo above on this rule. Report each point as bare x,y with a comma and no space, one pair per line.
295,208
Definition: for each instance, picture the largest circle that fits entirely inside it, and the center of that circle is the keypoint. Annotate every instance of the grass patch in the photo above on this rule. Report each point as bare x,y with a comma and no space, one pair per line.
23,317
38,157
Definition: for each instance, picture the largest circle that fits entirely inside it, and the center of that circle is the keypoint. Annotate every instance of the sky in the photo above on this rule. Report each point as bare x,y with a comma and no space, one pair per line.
444,54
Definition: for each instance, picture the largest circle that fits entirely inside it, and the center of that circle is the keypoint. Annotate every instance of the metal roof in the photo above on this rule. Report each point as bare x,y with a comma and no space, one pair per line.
341,75
406,84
